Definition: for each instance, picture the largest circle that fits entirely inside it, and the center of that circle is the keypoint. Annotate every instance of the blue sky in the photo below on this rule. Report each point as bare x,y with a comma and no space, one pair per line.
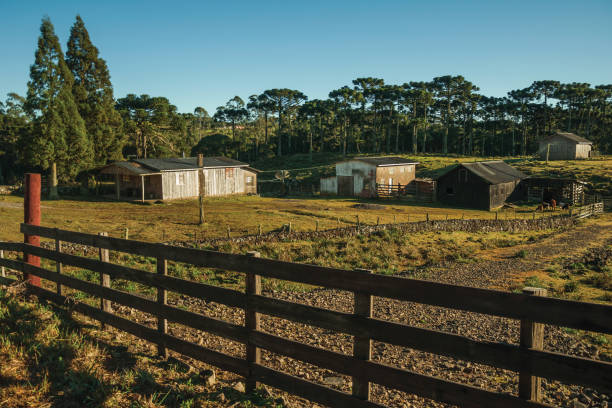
203,53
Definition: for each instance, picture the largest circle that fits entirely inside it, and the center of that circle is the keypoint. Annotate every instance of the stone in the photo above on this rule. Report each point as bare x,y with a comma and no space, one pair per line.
578,404
208,377
337,381
239,386
282,401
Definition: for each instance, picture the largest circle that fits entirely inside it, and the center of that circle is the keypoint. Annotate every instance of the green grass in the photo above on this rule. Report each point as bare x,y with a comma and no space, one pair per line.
49,357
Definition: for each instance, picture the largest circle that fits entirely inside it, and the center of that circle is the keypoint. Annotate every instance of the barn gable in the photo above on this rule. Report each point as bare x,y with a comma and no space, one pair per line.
564,146
483,185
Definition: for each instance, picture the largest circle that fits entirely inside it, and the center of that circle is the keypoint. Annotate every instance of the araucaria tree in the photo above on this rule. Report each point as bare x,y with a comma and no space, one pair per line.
93,94
58,140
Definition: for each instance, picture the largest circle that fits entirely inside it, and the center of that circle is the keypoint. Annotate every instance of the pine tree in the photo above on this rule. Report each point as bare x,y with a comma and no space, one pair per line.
58,140
93,94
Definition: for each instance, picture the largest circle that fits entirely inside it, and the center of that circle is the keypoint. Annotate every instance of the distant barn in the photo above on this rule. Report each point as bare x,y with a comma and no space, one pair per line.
485,185
565,146
176,178
360,176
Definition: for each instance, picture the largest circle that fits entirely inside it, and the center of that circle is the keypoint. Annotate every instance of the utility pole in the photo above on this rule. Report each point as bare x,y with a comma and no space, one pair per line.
201,187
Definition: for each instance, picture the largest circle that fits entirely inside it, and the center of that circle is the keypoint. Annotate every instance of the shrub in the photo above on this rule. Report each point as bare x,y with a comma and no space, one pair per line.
521,254
534,282
603,281
570,286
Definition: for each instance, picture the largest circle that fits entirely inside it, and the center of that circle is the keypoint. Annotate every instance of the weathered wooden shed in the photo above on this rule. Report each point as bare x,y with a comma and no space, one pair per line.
359,176
565,146
485,185
176,178
563,190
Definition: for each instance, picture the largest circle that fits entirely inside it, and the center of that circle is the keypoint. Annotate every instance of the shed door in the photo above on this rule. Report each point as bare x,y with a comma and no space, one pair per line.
345,185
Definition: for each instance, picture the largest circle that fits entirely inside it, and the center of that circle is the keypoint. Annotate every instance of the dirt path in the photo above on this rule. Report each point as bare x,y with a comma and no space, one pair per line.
497,268
501,268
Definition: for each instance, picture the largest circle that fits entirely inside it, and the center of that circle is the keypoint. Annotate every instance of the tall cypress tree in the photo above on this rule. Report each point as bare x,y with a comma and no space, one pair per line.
58,140
93,94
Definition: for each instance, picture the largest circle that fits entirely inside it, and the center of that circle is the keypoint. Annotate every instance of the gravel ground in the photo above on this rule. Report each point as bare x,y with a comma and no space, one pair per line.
498,272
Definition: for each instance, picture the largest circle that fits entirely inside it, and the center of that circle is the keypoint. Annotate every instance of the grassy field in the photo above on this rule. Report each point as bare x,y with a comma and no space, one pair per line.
178,220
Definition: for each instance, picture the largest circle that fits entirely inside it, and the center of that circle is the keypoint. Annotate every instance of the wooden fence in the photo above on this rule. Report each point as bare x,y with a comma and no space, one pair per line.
531,307
587,210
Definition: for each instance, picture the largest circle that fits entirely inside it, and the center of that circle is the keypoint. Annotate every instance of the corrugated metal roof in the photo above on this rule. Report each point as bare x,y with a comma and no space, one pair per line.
385,161
570,136
131,167
188,163
494,172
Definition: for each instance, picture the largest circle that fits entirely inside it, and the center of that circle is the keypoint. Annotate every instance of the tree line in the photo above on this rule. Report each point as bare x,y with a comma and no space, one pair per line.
70,122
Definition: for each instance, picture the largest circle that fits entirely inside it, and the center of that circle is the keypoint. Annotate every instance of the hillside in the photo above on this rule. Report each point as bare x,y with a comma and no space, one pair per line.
597,172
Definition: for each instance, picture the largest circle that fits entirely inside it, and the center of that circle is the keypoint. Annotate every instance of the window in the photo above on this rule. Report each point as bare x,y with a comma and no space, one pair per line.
180,179
401,169
450,191
125,178
391,170
249,180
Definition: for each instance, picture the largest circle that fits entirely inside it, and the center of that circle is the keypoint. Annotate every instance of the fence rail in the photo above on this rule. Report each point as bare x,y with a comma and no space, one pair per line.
588,210
528,358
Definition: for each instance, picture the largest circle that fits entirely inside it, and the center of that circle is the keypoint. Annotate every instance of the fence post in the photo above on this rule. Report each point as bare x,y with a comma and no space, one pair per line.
104,279
162,299
58,264
317,225
2,270
260,229
362,346
251,322
532,337
31,215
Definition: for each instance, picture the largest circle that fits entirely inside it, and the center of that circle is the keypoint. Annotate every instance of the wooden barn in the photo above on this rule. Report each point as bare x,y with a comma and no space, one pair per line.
565,146
562,190
485,185
360,176
176,178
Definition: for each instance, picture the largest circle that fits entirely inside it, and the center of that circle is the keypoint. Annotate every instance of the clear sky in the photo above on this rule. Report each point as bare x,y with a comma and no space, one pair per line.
202,53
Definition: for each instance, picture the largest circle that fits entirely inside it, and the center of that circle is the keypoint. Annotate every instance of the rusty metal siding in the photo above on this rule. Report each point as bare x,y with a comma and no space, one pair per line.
224,181
250,182
398,174
362,175
180,184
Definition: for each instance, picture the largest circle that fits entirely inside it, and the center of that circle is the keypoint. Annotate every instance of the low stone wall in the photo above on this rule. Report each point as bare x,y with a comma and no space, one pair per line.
558,222
513,225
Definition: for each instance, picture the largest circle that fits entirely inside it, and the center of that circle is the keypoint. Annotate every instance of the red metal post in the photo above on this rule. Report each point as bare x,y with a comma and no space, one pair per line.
31,215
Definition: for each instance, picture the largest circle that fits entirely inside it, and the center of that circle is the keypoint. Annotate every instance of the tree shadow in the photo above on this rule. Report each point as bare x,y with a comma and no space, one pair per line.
50,366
